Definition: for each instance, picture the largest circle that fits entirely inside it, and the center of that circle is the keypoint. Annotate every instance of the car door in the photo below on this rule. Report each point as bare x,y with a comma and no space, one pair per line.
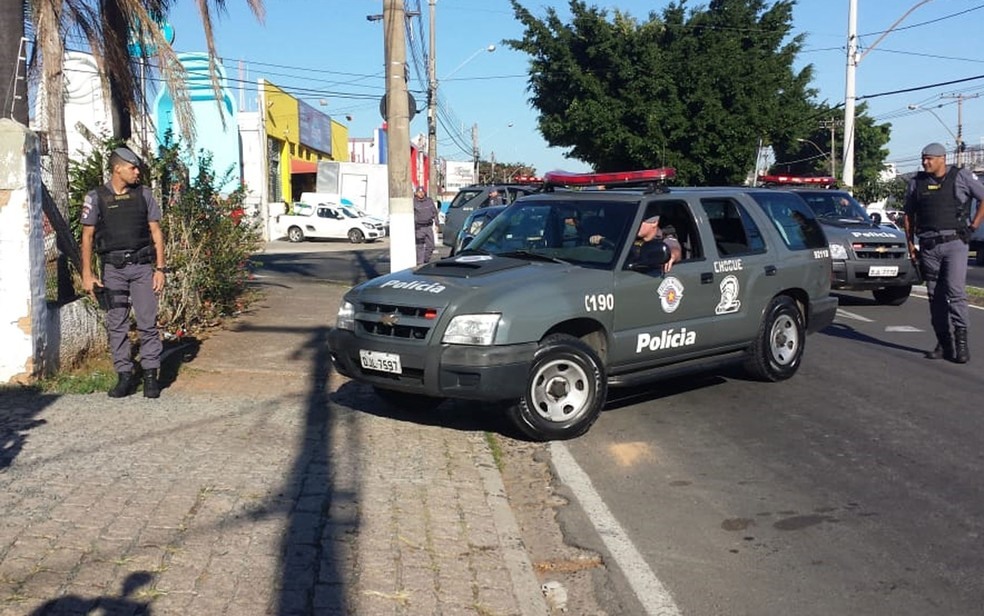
331,224
463,204
664,317
742,268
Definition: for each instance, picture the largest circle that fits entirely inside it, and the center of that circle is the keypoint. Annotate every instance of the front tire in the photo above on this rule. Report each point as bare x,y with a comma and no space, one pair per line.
564,393
295,234
777,351
356,236
892,296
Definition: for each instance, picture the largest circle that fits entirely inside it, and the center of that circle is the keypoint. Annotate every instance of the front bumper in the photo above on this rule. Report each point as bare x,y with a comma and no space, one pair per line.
855,275
443,371
822,313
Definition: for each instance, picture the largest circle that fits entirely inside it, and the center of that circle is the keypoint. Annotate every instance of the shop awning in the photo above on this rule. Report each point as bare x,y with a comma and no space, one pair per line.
303,166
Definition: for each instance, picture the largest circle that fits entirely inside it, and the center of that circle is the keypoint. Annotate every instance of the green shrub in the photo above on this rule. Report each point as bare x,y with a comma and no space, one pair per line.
207,240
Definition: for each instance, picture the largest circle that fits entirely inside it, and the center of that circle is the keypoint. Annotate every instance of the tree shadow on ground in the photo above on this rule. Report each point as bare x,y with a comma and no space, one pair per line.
846,332
125,603
19,408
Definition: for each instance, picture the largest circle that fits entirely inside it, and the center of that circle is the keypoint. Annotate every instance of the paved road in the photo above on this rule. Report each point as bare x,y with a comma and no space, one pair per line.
854,488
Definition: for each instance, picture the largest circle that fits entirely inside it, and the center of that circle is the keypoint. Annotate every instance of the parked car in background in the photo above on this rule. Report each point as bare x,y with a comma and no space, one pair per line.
474,197
328,221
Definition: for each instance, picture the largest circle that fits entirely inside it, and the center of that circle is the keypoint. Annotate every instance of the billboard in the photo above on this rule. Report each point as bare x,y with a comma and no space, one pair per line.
458,174
314,128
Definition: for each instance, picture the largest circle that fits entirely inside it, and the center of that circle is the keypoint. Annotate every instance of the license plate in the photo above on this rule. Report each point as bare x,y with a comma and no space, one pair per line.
883,270
382,362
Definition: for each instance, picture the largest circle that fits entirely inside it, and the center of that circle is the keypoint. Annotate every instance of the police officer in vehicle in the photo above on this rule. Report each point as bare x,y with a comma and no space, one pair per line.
121,223
650,230
936,210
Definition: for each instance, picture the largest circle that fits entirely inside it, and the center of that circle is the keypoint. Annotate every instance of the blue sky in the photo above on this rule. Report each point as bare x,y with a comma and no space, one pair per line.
330,53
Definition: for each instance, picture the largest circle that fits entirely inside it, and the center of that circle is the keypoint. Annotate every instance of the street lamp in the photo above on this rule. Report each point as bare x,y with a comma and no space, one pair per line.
487,49
956,139
822,153
850,98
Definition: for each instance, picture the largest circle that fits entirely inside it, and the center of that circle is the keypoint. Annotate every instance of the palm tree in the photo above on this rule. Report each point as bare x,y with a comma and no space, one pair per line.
107,25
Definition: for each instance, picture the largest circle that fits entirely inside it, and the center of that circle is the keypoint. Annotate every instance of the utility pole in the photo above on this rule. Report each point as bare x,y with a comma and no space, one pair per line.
850,95
402,249
432,106
475,152
960,142
832,124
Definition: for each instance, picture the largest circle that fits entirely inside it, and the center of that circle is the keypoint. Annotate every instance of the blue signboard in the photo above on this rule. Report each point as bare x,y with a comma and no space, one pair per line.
314,129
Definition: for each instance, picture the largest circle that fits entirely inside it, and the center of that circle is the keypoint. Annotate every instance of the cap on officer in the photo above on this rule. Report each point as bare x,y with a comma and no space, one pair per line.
652,219
127,155
934,149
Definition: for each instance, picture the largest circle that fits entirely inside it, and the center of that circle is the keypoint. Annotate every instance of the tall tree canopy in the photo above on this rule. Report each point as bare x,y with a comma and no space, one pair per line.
692,88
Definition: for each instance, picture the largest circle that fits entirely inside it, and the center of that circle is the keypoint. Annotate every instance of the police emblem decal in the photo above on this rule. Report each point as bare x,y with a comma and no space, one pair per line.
670,293
729,296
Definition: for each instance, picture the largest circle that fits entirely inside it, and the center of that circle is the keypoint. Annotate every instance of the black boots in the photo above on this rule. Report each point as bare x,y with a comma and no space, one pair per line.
124,385
944,347
961,354
151,388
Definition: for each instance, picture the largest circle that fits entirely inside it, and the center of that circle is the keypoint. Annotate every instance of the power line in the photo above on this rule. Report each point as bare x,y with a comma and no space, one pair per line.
926,23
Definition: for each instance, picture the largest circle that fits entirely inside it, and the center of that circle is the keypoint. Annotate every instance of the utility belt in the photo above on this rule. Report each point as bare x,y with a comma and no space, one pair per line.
930,241
122,258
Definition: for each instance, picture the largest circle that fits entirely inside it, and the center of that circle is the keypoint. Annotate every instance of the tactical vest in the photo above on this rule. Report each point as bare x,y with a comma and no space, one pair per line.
122,223
937,205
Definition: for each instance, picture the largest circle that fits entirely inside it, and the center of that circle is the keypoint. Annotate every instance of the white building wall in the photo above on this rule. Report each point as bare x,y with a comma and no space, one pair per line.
23,311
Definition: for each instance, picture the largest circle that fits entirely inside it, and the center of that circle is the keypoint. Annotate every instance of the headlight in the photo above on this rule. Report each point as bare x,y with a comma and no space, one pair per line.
368,225
475,227
346,317
472,329
837,251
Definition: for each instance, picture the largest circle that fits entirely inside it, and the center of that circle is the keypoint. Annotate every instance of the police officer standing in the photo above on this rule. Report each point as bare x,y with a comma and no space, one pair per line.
121,223
937,203
424,215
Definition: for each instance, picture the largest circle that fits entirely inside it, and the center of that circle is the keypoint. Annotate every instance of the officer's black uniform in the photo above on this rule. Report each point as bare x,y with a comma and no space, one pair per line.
125,247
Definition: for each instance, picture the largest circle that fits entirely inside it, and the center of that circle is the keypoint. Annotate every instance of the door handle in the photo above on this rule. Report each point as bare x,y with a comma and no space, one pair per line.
706,277
771,270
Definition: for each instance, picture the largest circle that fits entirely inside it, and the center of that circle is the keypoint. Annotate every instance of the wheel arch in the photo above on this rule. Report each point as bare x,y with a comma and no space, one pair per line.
590,331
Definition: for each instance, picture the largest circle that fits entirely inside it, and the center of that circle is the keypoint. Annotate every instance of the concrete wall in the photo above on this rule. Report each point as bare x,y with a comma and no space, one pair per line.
24,310
36,339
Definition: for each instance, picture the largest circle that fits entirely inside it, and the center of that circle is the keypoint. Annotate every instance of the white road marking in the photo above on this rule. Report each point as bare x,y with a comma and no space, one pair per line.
908,329
852,315
650,592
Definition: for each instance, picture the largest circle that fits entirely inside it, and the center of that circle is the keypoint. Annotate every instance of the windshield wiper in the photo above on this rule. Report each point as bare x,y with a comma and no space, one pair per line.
526,254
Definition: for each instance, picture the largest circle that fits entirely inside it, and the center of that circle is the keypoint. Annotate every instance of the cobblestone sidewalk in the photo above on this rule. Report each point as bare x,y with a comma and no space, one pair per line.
250,487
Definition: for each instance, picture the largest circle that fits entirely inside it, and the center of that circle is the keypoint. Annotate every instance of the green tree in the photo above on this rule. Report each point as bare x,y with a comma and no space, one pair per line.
690,88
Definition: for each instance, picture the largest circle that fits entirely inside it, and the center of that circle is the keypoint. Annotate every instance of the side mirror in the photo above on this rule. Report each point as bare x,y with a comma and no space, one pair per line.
653,255
876,218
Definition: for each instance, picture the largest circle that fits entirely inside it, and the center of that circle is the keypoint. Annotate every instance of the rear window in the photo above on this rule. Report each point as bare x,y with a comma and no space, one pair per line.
793,219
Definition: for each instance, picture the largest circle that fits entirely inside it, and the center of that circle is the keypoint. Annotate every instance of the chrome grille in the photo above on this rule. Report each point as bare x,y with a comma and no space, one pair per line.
393,321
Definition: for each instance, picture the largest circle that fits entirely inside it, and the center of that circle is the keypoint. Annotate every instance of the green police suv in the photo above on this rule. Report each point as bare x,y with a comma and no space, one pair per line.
538,314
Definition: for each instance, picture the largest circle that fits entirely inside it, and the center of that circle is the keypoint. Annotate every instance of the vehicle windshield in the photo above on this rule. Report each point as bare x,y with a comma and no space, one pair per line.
464,196
828,205
559,231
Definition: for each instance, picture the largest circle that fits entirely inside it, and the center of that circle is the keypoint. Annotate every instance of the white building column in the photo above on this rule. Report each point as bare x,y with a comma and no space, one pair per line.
24,309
